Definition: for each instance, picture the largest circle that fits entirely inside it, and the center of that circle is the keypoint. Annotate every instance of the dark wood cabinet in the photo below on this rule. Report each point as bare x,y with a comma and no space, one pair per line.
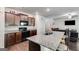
10,39
13,19
17,20
33,32
9,19
34,46
23,17
18,37
31,21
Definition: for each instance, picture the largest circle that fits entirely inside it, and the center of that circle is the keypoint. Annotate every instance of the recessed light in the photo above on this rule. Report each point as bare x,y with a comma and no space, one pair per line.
47,9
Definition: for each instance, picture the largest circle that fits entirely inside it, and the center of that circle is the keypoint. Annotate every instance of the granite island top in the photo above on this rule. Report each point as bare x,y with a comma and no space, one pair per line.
51,41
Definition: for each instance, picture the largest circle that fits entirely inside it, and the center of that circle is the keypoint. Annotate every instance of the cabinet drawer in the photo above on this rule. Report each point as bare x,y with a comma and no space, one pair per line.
11,39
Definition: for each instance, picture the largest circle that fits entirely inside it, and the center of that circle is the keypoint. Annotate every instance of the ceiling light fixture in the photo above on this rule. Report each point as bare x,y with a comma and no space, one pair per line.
47,9
69,16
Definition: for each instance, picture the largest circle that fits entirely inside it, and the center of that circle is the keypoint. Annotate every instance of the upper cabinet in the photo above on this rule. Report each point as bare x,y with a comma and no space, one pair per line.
9,19
31,21
17,20
13,19
23,17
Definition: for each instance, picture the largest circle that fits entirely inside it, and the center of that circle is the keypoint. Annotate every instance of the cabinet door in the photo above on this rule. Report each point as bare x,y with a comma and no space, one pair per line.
33,46
9,19
23,17
6,38
17,20
11,39
18,37
33,32
31,21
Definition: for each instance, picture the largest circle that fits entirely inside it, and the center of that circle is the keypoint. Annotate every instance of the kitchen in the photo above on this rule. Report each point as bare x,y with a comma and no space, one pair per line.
38,28
18,26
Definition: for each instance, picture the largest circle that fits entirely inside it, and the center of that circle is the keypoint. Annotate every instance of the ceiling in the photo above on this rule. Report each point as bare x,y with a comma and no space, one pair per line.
54,11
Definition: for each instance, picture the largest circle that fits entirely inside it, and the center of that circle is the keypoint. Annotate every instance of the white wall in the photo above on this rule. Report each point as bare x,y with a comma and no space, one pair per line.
43,24
59,23
48,24
2,22
40,24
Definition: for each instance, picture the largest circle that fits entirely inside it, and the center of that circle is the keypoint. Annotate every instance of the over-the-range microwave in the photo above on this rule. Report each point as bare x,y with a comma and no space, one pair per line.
23,23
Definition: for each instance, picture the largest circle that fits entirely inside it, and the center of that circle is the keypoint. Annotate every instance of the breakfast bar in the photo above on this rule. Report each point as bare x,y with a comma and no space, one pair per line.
51,41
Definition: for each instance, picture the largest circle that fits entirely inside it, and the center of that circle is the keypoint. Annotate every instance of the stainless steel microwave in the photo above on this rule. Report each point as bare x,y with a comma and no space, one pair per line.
23,23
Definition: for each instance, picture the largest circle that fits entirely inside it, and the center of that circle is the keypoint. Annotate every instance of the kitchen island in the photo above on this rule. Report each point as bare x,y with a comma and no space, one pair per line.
51,41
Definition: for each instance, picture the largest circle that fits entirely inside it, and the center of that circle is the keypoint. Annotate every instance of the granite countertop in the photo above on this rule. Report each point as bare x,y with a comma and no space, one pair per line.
51,41
11,31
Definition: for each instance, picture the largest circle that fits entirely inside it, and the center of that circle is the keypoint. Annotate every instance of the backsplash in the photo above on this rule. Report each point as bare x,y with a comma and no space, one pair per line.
17,28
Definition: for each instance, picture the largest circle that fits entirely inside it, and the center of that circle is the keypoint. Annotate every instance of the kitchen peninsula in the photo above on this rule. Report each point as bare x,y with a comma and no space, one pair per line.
51,41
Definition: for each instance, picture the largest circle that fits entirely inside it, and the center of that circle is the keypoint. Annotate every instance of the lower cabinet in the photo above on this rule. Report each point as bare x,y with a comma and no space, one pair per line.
33,32
33,46
12,38
17,37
